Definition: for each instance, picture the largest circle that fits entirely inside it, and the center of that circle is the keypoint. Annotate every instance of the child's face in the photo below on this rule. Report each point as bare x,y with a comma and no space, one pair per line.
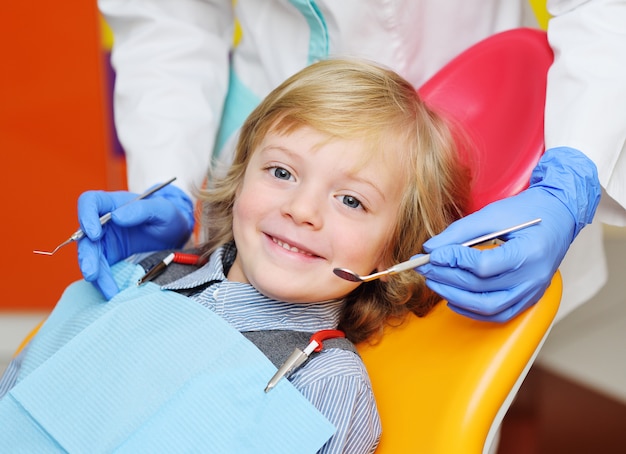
304,209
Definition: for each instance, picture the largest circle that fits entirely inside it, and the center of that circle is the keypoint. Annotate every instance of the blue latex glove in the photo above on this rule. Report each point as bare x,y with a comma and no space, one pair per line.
161,221
499,283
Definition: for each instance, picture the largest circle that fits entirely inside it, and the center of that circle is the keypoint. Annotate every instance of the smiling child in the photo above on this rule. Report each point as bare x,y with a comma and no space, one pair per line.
342,165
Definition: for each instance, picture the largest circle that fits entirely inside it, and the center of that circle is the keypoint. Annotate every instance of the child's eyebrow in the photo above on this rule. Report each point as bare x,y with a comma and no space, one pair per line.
367,182
272,147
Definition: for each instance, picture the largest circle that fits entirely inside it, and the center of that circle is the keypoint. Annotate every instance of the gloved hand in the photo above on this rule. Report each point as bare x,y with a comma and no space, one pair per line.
499,283
161,221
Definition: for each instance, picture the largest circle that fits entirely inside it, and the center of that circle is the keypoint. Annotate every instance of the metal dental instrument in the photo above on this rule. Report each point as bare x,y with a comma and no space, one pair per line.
349,275
298,357
78,234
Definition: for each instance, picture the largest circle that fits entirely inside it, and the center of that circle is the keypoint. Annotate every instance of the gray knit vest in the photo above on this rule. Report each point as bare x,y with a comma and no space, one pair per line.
277,345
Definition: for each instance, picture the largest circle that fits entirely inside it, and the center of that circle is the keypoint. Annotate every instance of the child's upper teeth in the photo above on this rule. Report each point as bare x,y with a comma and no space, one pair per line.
289,247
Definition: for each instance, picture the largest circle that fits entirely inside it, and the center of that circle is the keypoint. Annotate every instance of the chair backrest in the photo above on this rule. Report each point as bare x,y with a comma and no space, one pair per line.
495,91
443,382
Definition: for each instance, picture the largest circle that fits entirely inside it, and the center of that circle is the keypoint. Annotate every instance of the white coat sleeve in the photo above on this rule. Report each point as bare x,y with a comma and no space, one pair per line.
171,60
586,94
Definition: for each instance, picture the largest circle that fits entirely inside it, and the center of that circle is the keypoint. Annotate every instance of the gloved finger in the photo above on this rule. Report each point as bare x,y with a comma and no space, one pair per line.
501,317
89,258
525,300
155,210
93,204
105,282
485,303
95,268
181,201
483,263
459,278
489,219
458,232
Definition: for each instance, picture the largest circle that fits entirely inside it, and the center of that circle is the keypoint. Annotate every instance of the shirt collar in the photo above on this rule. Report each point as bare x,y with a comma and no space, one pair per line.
213,270
245,307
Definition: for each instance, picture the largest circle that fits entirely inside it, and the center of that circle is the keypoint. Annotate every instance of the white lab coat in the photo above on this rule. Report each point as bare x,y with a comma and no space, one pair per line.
172,60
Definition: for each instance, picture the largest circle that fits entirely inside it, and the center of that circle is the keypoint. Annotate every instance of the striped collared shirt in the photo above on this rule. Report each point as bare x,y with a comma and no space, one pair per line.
336,381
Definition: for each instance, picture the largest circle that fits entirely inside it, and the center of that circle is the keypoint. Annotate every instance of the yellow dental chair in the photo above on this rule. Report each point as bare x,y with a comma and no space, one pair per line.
444,382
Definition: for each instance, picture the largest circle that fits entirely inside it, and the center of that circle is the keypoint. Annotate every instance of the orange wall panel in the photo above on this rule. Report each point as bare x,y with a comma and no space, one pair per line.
55,135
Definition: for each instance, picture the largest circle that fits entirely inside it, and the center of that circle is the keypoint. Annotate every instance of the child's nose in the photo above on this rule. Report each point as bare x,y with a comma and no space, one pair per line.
304,206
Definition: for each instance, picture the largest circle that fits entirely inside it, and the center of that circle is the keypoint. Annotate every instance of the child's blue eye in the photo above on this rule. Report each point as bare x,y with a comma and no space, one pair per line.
350,201
281,173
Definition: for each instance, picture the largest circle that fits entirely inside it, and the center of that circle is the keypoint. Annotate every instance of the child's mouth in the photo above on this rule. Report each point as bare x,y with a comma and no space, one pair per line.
291,248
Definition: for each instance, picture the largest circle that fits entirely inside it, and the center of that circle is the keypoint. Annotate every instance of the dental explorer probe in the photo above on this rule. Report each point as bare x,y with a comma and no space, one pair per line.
78,234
